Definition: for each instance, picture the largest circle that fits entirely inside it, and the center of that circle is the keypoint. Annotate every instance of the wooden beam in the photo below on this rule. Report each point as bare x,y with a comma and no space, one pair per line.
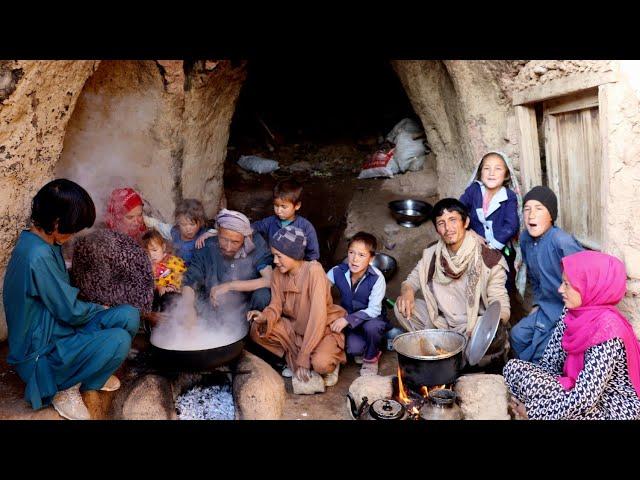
530,169
552,156
572,83
569,103
604,93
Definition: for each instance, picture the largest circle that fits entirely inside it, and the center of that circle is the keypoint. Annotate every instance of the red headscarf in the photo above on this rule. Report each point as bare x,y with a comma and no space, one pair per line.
121,202
601,281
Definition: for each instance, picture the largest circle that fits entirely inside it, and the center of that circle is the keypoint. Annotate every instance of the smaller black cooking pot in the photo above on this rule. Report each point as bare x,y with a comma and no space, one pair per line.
197,360
418,368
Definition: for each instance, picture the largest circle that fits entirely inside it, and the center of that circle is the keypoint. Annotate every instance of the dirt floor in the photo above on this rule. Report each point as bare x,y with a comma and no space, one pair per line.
14,407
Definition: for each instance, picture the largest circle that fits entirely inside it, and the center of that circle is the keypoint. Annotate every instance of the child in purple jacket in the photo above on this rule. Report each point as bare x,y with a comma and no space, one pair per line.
287,200
495,211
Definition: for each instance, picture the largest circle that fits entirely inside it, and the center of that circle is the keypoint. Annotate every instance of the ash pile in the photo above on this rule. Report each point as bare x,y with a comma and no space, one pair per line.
214,402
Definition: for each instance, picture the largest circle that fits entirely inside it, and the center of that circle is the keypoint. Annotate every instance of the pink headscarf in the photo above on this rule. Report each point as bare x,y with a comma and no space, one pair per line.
601,281
121,202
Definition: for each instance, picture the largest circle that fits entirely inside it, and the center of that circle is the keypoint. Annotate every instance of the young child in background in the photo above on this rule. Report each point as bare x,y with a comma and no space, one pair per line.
190,226
543,248
287,201
167,269
494,210
296,324
362,287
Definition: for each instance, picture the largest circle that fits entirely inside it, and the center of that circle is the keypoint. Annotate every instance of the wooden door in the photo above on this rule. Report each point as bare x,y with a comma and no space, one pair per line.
574,164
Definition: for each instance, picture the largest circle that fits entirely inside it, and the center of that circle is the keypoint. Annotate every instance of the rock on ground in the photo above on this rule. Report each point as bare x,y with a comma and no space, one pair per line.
315,384
259,395
483,397
148,398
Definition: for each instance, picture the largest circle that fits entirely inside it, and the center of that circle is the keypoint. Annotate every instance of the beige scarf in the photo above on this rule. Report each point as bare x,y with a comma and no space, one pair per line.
468,260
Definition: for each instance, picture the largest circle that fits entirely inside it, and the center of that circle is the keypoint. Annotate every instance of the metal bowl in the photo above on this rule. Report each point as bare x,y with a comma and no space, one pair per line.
386,264
409,344
410,213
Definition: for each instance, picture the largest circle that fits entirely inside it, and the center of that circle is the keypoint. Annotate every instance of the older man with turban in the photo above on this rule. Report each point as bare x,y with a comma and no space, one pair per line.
233,269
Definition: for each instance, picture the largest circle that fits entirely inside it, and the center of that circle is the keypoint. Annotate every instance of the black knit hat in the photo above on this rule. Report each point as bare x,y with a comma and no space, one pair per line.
546,197
291,241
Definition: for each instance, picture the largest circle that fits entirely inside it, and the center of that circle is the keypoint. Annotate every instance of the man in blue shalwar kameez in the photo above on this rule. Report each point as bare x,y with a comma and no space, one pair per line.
59,344
543,247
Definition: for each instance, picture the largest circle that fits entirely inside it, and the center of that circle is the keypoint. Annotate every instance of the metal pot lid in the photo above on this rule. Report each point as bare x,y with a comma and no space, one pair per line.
386,410
483,334
443,396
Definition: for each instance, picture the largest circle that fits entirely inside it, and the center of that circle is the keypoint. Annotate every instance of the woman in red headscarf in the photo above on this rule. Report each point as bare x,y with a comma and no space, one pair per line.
591,366
124,213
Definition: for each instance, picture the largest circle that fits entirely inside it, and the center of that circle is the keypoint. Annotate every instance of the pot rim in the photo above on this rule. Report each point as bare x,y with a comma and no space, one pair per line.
430,357
201,351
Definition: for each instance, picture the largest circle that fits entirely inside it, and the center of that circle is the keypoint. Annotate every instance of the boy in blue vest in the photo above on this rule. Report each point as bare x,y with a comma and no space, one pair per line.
287,200
362,287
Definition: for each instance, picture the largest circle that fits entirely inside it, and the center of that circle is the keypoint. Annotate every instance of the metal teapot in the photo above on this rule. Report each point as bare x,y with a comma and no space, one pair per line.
441,406
381,409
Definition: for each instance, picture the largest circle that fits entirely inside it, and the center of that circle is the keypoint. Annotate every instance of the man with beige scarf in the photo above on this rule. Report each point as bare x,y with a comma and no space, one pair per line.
458,276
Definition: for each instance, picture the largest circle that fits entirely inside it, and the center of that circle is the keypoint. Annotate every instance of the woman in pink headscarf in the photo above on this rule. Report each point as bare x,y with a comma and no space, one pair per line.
591,366
124,213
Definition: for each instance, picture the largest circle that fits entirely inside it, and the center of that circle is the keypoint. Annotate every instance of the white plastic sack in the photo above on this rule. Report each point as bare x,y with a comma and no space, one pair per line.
258,164
377,165
405,125
376,172
409,154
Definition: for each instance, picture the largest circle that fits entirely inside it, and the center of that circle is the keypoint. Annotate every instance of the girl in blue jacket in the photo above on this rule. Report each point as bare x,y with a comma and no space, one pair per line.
494,201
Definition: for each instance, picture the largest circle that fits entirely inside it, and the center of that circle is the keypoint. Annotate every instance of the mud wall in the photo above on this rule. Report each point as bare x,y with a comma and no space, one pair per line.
620,117
210,99
123,133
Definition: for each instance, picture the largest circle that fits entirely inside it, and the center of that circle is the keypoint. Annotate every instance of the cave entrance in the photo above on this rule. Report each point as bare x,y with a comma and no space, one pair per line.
319,120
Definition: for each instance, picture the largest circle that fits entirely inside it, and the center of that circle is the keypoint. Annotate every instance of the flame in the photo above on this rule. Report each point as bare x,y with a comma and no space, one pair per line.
426,391
413,405
402,393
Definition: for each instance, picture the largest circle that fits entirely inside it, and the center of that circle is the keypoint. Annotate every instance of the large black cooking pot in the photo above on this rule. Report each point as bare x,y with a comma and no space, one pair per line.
203,360
418,368
197,360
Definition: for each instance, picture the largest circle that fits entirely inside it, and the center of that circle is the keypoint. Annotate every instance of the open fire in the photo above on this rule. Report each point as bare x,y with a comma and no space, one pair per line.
414,401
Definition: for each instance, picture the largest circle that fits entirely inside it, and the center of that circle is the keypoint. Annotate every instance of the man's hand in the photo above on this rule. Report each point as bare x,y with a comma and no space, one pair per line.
406,303
168,288
200,240
338,325
217,292
155,318
303,374
256,316
190,318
